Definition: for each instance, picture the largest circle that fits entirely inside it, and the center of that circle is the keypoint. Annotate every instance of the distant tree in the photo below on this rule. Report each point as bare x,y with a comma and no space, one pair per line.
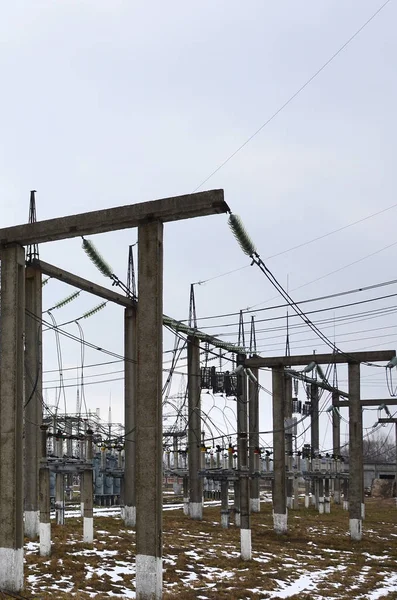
377,448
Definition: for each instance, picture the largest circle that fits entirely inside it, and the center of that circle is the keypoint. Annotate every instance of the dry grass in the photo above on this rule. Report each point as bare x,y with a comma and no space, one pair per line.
201,560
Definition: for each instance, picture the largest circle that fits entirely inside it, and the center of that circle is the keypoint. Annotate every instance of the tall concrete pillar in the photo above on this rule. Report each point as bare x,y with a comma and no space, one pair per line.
321,507
356,491
327,499
336,443
59,485
194,428
11,417
279,487
149,448
315,437
33,398
288,436
44,497
130,382
253,427
242,458
88,520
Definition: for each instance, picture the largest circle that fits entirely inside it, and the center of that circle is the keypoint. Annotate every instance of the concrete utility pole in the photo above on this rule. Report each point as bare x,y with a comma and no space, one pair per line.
44,497
149,464
336,441
242,458
130,381
194,428
315,438
356,491
11,416
279,484
88,520
253,426
288,435
33,398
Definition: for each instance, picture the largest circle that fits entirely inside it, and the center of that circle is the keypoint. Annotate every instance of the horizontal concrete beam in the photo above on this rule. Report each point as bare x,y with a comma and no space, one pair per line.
82,284
372,402
106,294
391,420
112,219
320,359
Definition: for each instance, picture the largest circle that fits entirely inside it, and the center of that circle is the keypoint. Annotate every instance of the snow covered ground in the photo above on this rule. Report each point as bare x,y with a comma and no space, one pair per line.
316,560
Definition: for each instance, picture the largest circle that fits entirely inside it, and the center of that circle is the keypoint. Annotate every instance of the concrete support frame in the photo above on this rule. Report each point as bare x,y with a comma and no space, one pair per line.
88,518
253,427
33,398
11,417
149,465
279,483
288,436
315,437
356,491
242,458
44,497
130,382
194,429
336,442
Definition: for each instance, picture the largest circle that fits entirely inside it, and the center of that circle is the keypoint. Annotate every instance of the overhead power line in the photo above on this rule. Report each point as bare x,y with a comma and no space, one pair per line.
291,98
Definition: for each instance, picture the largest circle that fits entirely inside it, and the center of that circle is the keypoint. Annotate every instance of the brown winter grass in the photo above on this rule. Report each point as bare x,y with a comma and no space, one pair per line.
313,542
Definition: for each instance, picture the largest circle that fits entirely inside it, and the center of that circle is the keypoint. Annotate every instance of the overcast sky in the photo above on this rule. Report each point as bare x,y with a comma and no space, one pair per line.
106,103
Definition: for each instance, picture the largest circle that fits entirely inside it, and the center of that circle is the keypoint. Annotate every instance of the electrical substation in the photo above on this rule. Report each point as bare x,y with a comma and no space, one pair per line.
50,458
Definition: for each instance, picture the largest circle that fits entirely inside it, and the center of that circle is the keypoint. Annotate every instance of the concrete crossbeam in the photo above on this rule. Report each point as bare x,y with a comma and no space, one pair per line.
371,402
112,219
320,359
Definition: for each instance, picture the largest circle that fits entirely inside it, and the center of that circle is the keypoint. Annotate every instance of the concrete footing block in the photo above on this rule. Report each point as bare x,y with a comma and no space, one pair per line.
245,542
196,511
307,501
186,506
356,529
130,516
32,521
280,522
321,509
149,577
11,569
88,530
45,539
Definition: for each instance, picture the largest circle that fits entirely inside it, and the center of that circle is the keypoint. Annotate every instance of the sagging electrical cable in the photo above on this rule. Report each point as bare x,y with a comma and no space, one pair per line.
249,249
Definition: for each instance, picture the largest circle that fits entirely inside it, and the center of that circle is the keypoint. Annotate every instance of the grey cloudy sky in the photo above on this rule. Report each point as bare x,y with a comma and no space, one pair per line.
106,103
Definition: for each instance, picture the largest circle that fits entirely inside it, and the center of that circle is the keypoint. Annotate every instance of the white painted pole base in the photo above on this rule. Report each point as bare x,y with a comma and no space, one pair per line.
196,510
82,508
312,500
345,505
11,569
307,501
186,506
32,520
45,539
280,523
149,577
130,516
237,518
356,529
362,510
255,505
321,505
88,530
327,506
225,520
289,502
245,541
